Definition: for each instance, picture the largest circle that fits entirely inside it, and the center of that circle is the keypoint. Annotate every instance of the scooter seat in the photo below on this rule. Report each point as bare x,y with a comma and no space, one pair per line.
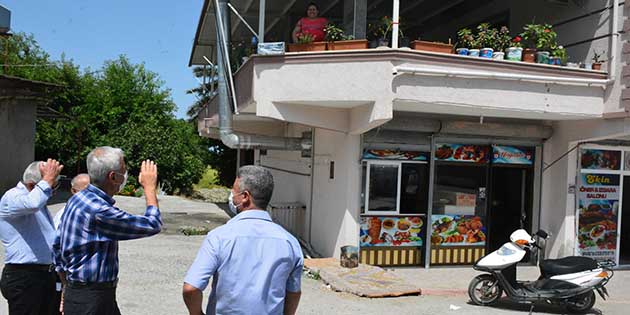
566,265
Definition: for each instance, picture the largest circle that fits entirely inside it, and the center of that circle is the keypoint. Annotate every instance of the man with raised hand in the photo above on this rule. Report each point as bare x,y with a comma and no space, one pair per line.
27,233
86,246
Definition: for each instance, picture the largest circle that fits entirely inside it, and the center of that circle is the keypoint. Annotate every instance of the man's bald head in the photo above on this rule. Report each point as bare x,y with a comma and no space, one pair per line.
79,183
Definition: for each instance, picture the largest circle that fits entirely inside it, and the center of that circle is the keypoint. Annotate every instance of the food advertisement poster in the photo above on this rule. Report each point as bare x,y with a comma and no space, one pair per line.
457,230
512,155
391,231
593,159
394,155
598,207
462,153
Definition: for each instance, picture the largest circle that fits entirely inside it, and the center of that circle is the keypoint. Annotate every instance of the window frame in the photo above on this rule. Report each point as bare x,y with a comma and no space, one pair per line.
398,164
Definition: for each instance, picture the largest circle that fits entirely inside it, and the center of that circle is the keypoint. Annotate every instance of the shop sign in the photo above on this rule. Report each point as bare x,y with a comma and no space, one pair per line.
598,207
462,153
391,231
595,159
512,155
457,230
394,155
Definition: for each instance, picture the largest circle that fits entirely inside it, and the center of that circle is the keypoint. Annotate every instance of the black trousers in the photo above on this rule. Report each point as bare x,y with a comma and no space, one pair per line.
29,291
90,299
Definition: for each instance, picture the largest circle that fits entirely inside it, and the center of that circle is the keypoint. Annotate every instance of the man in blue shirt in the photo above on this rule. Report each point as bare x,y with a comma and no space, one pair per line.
27,233
255,265
86,246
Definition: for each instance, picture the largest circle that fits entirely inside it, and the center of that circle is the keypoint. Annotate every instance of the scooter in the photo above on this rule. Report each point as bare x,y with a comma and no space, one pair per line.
570,281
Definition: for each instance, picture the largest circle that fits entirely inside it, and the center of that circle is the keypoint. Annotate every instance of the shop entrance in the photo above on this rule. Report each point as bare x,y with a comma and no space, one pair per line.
510,204
624,248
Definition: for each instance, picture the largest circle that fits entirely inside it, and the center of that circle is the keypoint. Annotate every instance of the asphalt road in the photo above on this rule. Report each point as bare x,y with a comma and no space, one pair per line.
152,272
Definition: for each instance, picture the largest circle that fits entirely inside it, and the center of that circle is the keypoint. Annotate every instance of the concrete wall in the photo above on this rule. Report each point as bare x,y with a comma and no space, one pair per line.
17,140
558,205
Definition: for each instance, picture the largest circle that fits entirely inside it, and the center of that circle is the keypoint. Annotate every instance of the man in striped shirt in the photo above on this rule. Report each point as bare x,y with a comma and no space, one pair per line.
86,246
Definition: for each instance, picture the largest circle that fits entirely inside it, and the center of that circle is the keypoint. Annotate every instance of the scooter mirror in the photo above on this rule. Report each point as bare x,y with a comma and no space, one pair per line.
542,234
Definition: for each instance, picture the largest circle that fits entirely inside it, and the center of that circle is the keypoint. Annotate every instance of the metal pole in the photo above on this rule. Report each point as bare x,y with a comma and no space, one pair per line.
222,17
612,69
240,17
261,22
395,20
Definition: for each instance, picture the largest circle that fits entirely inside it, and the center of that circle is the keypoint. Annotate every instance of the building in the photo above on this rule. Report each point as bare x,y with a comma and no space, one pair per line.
428,158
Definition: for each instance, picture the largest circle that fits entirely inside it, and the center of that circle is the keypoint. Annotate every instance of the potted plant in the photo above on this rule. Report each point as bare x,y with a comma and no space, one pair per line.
503,41
515,51
486,37
558,56
597,61
305,43
465,41
539,38
337,40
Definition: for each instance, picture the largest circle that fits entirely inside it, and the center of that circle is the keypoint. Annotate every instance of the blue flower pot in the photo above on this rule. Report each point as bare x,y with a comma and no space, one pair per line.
473,52
462,51
486,53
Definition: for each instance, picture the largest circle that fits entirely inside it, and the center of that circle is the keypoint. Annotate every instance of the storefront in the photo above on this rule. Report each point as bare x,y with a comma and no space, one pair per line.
602,225
448,210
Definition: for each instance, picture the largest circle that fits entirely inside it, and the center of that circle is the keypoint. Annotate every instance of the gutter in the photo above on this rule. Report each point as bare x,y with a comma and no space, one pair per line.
231,139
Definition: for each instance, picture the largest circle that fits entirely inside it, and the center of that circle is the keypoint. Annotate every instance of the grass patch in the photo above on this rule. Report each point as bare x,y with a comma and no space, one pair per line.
194,230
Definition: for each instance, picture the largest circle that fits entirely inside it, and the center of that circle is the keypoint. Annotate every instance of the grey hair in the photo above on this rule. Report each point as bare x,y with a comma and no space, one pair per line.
74,181
258,181
103,160
32,174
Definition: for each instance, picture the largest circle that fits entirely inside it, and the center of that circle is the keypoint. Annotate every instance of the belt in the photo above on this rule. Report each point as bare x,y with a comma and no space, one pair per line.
30,267
92,285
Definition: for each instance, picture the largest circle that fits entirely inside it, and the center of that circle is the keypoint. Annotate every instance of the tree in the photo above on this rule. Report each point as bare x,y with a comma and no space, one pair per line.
122,105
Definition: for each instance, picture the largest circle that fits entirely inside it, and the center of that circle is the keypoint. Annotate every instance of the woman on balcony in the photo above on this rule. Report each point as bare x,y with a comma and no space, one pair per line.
312,24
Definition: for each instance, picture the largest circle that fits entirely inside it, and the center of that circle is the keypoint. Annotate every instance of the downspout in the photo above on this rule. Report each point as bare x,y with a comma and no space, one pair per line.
230,138
612,71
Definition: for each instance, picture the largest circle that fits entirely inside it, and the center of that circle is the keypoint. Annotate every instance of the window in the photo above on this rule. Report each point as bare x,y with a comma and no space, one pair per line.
460,189
395,187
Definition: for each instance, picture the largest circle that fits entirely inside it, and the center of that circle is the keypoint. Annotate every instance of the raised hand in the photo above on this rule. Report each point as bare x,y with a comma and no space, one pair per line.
148,175
50,171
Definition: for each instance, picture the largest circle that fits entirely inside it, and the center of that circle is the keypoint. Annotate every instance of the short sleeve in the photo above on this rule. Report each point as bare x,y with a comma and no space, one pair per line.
206,263
294,283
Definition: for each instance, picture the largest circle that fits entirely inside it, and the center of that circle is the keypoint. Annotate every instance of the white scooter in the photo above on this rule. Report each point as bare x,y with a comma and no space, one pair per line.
569,281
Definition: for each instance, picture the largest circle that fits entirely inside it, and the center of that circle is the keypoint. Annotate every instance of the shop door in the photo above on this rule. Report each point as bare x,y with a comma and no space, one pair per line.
510,204
624,248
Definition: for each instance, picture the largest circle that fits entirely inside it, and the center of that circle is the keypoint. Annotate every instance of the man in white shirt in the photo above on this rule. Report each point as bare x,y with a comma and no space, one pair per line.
77,184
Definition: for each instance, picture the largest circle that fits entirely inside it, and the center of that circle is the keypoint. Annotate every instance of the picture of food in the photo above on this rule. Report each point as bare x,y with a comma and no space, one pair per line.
597,231
457,230
388,224
600,159
366,239
436,239
403,224
416,222
444,152
374,230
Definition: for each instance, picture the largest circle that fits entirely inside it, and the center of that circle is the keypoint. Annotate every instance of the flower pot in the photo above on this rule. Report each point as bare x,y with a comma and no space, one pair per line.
573,65
432,46
473,52
462,51
514,53
383,42
498,55
587,66
542,57
556,61
597,66
348,44
486,53
314,46
529,55
404,42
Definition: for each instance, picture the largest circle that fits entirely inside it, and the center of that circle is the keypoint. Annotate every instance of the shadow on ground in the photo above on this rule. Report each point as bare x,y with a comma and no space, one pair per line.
541,307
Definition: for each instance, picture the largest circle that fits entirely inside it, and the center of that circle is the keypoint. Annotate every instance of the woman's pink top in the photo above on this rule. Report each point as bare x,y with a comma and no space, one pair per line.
314,27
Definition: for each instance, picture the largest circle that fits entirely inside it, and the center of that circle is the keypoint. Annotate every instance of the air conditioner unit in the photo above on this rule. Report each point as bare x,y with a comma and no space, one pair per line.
5,20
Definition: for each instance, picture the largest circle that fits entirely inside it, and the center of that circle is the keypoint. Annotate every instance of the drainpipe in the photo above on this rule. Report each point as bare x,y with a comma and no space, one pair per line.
230,138
615,41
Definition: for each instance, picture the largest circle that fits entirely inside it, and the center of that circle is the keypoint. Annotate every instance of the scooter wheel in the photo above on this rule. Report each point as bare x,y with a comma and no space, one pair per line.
484,290
581,303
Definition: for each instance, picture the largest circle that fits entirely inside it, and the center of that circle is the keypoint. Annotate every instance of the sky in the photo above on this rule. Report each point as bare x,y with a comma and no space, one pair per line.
158,33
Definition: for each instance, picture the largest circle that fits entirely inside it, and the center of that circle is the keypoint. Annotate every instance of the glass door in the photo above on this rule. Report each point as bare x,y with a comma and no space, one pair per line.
624,228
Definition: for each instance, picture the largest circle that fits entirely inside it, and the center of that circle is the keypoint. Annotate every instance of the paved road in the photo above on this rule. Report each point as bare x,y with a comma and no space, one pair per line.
152,271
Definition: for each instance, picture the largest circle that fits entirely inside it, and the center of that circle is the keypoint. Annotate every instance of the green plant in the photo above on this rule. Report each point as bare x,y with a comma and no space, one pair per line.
466,39
539,36
486,35
383,27
597,58
305,38
504,40
194,230
333,33
559,52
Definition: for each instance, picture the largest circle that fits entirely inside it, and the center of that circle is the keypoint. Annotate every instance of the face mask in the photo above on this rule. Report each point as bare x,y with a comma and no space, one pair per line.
124,183
233,207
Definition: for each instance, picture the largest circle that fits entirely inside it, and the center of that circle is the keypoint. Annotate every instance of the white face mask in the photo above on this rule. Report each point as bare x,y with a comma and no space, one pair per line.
124,183
233,207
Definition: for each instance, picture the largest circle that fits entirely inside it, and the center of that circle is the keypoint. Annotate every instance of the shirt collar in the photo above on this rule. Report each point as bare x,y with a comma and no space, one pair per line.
21,186
97,191
252,214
